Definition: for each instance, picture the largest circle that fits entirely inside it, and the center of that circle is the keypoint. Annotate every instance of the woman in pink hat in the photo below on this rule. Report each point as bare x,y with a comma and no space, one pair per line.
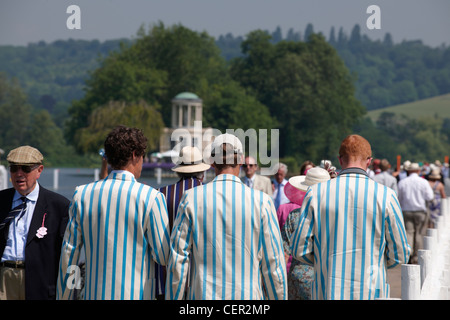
300,276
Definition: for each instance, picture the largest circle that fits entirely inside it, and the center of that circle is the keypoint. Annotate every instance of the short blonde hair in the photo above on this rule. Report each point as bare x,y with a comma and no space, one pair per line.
355,148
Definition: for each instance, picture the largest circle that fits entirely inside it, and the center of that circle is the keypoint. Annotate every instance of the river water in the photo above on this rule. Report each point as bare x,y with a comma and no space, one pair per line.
69,178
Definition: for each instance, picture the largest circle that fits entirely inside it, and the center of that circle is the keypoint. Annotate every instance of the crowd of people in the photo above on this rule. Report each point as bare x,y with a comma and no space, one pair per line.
319,234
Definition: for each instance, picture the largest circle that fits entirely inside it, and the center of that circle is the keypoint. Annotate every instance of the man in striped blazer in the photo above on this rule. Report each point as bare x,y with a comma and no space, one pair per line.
121,224
229,234
191,170
351,229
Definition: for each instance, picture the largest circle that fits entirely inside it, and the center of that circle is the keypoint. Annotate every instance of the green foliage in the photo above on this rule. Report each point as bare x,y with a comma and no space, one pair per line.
54,74
387,73
20,125
155,68
15,113
104,118
419,140
307,88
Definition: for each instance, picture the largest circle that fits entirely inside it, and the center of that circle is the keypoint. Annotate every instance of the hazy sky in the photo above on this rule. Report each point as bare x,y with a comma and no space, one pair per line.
24,21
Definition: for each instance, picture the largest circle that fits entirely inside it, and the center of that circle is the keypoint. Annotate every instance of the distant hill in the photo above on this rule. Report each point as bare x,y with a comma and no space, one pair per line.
439,105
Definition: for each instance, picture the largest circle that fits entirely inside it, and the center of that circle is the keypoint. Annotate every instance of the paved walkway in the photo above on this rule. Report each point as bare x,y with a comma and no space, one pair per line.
395,281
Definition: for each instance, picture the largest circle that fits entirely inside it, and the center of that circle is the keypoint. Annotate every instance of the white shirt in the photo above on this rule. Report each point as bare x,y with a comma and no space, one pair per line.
413,192
18,229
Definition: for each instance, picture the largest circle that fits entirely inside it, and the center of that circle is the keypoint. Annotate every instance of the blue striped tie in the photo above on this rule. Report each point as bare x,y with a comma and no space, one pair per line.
21,208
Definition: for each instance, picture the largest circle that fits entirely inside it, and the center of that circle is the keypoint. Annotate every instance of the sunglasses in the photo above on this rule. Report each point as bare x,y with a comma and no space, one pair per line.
248,165
26,169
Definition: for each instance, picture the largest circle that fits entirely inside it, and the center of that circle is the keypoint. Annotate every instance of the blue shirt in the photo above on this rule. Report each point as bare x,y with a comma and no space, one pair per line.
283,198
18,229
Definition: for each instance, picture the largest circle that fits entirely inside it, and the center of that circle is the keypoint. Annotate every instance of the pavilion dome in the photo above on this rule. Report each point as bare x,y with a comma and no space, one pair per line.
186,96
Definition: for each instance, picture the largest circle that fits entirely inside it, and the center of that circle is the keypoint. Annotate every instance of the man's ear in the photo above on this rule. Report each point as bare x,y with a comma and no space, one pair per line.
368,161
340,160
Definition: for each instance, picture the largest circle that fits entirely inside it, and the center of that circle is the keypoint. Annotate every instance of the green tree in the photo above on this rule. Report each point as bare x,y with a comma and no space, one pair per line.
104,118
20,125
15,113
307,88
155,68
47,137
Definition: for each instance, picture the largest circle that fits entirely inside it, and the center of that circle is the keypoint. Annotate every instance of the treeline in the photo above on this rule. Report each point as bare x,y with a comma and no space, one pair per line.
386,73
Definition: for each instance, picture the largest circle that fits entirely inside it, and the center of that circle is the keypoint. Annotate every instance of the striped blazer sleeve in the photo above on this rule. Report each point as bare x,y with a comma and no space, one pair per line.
398,249
180,244
302,239
70,253
159,229
273,264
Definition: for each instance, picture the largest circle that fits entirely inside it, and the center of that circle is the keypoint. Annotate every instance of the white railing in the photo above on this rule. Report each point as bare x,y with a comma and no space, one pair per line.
430,278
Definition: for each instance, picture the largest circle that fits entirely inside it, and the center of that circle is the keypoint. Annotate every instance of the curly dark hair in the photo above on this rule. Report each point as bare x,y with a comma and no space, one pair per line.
120,144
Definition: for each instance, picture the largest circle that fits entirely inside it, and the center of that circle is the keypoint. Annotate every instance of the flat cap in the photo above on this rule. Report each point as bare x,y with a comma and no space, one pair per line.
25,155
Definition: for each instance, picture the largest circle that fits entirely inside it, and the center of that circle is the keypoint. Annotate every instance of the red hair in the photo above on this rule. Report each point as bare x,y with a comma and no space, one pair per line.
355,148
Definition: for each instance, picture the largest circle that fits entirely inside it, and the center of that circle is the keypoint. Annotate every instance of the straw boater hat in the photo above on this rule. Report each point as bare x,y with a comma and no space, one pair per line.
190,160
313,176
25,155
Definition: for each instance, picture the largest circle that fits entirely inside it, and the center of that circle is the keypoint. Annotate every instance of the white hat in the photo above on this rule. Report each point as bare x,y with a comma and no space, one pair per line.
406,164
413,167
435,174
190,160
227,138
313,176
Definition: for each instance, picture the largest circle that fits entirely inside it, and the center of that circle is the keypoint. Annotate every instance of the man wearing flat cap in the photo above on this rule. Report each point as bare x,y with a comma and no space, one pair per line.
32,224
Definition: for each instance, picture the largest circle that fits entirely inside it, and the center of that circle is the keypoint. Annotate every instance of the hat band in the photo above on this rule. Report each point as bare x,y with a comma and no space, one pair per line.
190,163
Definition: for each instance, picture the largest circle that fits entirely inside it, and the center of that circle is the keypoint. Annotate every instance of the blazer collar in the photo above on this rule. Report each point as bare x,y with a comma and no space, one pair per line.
227,177
121,175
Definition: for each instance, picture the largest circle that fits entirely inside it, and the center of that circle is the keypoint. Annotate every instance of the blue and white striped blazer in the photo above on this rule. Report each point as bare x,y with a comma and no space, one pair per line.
123,227
351,229
228,233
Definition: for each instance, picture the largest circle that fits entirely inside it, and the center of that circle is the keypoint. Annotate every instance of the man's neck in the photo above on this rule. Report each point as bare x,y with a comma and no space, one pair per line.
229,170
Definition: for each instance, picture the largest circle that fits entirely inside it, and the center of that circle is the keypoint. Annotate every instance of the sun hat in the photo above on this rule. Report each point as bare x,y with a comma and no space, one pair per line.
293,194
25,155
313,176
413,167
190,160
435,174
